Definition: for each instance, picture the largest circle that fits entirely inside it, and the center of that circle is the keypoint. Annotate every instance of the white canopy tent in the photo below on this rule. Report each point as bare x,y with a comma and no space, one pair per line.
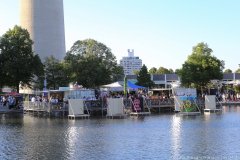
116,86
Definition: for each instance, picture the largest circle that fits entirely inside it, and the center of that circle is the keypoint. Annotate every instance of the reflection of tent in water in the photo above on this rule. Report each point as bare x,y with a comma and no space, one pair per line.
130,85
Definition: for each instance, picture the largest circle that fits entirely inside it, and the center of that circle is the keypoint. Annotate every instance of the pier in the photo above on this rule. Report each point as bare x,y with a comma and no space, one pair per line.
99,108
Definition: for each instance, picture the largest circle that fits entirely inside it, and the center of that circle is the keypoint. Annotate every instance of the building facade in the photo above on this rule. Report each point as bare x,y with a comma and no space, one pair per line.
168,80
131,63
44,20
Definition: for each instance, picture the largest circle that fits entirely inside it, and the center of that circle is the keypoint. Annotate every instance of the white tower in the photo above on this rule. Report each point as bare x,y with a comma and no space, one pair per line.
44,20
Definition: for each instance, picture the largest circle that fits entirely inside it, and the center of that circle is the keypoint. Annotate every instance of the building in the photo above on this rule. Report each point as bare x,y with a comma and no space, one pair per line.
168,80
230,77
131,63
44,20
165,80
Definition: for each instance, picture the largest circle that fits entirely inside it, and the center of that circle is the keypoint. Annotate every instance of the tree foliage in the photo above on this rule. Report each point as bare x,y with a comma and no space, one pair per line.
238,70
18,63
153,70
136,72
56,73
201,67
227,71
117,73
91,64
162,70
144,78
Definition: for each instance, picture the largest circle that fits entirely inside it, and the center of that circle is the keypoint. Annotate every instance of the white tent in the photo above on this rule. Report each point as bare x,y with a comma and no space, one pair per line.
116,86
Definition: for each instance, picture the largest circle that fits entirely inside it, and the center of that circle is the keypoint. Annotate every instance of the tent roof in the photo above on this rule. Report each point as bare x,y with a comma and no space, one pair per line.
118,86
133,86
112,85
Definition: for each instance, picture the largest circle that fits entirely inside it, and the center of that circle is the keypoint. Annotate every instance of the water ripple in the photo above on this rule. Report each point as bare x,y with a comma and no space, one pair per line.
154,137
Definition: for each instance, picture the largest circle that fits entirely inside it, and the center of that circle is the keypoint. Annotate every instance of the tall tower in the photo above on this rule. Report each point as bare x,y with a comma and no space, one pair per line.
44,20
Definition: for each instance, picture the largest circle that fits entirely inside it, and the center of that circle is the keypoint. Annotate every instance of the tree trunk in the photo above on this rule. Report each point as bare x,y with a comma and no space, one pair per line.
17,86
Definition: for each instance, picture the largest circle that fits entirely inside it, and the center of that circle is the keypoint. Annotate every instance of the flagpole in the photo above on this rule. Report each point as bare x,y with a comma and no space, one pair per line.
125,86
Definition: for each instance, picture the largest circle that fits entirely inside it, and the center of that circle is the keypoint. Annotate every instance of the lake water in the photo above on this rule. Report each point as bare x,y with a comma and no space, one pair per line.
166,136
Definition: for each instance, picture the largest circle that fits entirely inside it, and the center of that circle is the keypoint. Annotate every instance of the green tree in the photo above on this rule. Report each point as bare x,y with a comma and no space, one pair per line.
153,70
18,63
236,88
56,74
162,70
228,71
2,75
91,63
117,73
136,72
144,78
238,70
170,70
201,67
177,71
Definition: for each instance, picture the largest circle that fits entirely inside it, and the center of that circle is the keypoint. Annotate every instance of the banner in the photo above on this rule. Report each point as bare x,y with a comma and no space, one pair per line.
137,104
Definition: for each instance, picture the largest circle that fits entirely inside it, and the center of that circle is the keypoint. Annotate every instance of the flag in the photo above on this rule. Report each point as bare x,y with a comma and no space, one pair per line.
125,86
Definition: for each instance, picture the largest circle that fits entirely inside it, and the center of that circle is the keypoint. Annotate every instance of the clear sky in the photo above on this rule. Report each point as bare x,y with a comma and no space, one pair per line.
161,32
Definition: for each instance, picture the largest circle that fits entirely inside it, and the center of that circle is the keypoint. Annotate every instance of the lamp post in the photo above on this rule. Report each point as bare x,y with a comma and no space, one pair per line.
45,93
45,82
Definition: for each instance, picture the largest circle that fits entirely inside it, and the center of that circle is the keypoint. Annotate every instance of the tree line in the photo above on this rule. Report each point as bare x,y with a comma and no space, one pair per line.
88,62
91,64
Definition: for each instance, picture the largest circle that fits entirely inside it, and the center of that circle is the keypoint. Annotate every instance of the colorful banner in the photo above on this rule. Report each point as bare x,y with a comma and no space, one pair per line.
137,104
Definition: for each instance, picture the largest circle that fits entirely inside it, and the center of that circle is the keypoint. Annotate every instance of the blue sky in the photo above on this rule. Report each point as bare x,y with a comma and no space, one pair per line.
161,32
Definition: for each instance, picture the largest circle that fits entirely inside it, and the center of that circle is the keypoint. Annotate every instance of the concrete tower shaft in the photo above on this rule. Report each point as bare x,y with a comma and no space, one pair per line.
44,19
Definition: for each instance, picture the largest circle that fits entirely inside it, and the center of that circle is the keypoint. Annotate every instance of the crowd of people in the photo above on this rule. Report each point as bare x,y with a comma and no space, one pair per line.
10,102
37,100
230,96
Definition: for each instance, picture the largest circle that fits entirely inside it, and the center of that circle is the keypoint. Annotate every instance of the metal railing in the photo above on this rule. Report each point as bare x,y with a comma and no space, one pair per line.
44,106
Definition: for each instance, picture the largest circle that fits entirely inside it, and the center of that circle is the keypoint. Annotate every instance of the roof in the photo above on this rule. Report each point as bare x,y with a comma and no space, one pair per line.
158,77
172,77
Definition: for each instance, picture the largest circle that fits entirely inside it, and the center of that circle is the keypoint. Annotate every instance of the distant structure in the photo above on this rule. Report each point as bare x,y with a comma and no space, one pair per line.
44,20
131,63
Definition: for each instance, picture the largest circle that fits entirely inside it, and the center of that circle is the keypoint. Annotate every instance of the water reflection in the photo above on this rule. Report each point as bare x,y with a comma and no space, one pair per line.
154,137
176,136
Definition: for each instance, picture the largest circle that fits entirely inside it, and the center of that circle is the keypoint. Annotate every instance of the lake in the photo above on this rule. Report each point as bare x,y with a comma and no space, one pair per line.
164,136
